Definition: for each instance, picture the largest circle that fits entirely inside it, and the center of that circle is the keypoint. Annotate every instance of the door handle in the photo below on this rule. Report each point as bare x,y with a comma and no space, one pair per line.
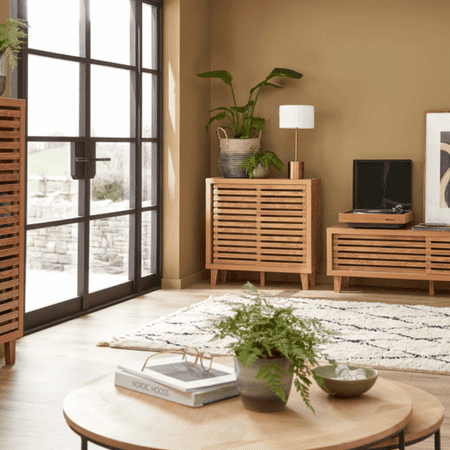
78,157
82,160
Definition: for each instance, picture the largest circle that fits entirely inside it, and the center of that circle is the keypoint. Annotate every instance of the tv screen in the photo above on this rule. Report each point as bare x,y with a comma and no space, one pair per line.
382,184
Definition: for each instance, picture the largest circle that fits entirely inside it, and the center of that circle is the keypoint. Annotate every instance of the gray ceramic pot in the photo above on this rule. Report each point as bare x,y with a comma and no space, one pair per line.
260,171
255,394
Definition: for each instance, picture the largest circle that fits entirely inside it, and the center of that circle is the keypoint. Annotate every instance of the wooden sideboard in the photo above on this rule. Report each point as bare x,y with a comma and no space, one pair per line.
385,253
263,225
12,216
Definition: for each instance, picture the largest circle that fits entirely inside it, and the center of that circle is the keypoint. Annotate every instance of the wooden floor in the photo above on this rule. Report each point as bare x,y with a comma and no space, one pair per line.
52,362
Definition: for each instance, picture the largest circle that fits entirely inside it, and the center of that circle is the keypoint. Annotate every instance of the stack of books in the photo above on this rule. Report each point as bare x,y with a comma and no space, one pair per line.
172,379
431,227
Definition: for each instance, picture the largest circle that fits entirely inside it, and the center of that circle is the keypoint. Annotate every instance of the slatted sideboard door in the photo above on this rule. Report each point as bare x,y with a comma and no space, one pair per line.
262,226
382,253
12,215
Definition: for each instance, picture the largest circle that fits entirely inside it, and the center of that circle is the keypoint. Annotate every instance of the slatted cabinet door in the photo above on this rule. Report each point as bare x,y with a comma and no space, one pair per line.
382,253
263,226
12,188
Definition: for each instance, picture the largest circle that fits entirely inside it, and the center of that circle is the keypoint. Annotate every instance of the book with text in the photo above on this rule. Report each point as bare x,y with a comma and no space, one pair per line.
175,373
196,398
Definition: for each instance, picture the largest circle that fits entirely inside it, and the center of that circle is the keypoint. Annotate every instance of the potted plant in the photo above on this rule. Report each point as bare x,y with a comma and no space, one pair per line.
245,127
257,165
272,346
11,38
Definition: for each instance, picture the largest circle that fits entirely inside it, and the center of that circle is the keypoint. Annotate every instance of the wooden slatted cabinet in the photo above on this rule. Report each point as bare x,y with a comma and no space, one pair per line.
12,189
263,225
382,253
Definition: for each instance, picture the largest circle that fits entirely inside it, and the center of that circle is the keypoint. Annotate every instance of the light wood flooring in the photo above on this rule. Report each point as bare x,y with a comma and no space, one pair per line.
54,361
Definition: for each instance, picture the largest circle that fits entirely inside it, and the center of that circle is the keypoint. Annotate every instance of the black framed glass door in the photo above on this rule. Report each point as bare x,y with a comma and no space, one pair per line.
91,75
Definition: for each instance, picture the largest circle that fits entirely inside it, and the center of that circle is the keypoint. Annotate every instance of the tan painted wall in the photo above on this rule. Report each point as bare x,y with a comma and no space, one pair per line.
371,69
186,146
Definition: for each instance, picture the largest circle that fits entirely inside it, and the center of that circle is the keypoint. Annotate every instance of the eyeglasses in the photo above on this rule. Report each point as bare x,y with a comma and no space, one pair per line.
191,356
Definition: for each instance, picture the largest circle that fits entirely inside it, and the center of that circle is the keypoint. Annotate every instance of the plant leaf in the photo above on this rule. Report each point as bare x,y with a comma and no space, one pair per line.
277,72
219,116
222,74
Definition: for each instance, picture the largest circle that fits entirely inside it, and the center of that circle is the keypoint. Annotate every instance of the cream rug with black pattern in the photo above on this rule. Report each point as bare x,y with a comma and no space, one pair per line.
385,336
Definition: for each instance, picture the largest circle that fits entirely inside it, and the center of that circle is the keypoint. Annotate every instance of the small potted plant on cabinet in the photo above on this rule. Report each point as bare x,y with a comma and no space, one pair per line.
257,164
11,38
245,127
272,345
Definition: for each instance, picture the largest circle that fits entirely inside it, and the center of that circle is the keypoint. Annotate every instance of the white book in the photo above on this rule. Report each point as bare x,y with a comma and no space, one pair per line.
195,398
175,373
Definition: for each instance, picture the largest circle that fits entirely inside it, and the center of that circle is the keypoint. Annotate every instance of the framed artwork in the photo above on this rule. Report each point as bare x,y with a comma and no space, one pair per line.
437,168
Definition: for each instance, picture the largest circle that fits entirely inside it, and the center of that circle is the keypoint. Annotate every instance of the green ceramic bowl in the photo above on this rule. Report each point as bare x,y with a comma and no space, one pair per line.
344,388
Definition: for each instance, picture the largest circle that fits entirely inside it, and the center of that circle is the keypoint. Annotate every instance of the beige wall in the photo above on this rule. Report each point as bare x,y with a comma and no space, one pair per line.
371,68
186,161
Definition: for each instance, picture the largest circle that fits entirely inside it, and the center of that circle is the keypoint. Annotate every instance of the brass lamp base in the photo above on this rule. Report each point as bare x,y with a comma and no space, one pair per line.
295,170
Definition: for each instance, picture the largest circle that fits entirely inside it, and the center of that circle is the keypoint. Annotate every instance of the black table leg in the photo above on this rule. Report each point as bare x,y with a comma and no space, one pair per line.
401,440
437,440
84,443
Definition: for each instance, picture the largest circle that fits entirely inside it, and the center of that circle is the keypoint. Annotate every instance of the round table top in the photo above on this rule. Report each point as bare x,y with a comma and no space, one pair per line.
124,419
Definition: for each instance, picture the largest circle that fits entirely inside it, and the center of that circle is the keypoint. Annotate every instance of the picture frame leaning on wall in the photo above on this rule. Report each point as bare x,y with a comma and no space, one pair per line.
436,196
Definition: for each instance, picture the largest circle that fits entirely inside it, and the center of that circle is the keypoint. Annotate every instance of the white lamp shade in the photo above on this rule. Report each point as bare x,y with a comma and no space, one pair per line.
296,116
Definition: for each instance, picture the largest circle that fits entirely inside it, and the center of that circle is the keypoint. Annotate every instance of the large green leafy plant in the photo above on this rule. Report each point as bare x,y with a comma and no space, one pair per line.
265,158
263,331
12,34
241,117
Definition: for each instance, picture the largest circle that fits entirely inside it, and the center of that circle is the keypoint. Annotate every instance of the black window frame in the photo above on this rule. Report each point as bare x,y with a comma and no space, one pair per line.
86,302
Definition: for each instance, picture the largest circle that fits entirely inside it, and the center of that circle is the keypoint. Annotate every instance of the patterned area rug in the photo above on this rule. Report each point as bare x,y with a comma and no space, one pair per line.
385,336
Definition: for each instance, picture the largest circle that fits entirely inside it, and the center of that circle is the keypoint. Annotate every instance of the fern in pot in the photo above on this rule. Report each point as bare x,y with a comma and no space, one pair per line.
12,34
272,348
257,164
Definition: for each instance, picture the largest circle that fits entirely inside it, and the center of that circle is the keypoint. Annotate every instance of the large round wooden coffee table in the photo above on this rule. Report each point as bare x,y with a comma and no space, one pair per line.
119,418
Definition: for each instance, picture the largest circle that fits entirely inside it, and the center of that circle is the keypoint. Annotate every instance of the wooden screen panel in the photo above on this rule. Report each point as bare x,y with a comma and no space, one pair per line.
438,255
12,119
393,254
283,225
235,226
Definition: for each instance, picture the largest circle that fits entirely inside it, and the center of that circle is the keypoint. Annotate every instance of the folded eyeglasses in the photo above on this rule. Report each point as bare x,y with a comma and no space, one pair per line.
191,356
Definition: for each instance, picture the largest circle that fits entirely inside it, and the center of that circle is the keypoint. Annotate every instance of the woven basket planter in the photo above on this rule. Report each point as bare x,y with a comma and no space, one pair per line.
233,151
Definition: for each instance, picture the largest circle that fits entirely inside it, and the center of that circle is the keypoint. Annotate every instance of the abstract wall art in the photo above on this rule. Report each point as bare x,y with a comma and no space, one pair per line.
437,168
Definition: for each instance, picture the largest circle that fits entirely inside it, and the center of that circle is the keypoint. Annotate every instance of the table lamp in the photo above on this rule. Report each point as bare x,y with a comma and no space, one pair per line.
296,116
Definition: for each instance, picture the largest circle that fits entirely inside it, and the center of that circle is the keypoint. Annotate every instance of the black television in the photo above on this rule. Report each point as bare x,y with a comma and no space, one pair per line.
382,185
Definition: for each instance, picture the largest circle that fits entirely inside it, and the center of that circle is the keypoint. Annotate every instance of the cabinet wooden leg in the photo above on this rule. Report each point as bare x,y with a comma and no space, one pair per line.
305,282
346,281
337,284
312,278
431,287
214,273
223,276
262,278
10,352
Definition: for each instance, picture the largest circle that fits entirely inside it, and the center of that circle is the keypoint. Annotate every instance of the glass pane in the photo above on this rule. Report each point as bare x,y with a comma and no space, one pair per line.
149,174
149,102
108,263
54,26
110,102
51,266
53,97
149,36
111,25
148,262
110,188
52,194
